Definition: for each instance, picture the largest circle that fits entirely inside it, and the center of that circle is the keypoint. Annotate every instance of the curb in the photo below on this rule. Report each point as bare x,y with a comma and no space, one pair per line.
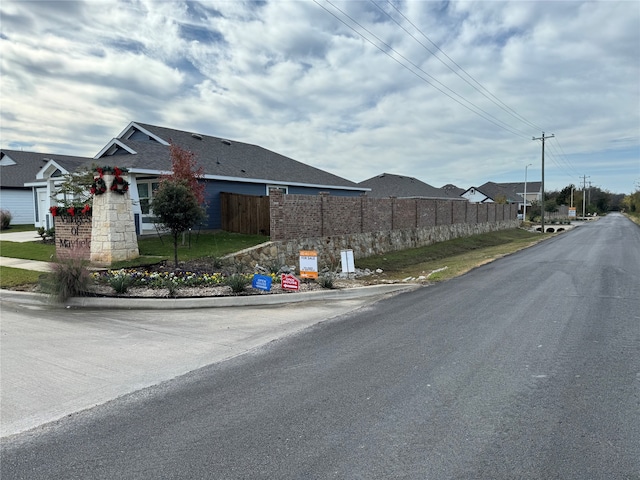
154,303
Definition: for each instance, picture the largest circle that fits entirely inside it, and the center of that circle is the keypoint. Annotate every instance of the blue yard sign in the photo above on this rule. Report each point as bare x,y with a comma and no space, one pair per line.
261,282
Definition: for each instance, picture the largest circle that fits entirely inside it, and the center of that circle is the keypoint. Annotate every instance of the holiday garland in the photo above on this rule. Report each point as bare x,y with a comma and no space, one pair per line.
72,211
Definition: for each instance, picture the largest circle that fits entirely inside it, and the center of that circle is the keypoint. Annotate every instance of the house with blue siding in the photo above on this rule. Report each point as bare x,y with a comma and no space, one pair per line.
229,166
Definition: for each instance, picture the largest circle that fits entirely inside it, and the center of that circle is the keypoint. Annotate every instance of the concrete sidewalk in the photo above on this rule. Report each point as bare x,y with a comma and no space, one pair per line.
56,361
25,264
21,237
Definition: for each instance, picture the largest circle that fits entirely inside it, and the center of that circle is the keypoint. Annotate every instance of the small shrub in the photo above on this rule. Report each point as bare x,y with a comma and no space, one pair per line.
170,282
327,280
238,282
236,268
68,278
47,235
120,282
5,219
215,262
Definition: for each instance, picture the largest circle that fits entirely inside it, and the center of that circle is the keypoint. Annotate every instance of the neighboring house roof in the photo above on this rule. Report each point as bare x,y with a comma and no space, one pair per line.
518,187
495,191
18,168
511,192
452,191
390,185
144,148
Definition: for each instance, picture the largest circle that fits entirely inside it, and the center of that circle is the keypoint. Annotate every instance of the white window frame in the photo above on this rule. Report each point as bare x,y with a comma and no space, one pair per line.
284,188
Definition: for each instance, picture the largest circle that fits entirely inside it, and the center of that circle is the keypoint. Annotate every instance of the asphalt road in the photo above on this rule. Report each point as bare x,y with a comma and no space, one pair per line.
527,368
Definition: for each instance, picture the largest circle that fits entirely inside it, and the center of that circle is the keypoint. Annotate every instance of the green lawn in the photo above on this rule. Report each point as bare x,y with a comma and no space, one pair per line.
206,244
13,277
28,250
458,255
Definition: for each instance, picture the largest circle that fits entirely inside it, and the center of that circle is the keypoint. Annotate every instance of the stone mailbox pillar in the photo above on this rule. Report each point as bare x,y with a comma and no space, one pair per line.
113,234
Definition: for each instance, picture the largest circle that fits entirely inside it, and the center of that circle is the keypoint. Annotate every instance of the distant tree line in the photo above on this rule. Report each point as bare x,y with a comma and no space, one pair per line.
595,200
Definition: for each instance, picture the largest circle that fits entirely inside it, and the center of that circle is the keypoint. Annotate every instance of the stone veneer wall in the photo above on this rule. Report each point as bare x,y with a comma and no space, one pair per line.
363,244
113,236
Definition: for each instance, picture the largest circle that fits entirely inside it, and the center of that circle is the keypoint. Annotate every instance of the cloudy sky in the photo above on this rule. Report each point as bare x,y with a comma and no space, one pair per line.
447,92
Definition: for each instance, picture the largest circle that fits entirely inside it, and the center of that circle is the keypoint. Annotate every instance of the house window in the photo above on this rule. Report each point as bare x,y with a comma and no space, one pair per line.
284,190
145,194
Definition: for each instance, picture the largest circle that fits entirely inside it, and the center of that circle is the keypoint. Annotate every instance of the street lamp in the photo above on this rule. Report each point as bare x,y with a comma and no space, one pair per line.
524,210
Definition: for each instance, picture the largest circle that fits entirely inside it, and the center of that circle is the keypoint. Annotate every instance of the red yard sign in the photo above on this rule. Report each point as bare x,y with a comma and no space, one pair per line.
290,282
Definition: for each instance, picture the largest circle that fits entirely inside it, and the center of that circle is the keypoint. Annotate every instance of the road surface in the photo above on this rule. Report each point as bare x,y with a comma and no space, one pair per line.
527,368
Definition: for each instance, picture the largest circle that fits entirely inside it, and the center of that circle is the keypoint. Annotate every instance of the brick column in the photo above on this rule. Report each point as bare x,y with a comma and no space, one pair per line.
73,236
276,214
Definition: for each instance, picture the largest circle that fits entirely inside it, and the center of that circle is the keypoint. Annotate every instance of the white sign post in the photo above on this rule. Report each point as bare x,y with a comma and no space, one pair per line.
346,257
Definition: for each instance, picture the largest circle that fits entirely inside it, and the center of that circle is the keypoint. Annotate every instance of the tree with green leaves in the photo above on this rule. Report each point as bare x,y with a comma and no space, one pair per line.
74,188
564,196
177,207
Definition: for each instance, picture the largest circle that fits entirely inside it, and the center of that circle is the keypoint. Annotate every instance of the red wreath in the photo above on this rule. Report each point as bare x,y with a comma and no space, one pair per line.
119,184
98,187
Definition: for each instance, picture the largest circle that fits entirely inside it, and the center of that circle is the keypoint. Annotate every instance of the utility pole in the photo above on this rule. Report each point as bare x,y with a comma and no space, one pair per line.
524,208
543,138
584,196
572,188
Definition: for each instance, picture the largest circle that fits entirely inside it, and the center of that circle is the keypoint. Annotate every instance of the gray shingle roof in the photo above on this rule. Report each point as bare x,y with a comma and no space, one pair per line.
451,190
28,164
496,190
390,185
220,158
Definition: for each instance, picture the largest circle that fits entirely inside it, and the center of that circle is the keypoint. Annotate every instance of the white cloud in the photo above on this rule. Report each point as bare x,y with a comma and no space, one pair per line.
289,76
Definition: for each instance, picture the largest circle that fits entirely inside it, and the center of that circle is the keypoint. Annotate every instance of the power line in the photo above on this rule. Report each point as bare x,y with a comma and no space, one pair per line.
565,157
469,105
475,85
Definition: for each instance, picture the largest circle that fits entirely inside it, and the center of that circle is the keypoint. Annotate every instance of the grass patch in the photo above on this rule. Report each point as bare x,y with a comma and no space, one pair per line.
459,255
19,228
44,252
14,277
206,244
634,217
153,249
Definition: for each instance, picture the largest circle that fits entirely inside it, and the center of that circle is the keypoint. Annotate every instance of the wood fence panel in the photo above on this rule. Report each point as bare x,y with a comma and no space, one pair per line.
246,214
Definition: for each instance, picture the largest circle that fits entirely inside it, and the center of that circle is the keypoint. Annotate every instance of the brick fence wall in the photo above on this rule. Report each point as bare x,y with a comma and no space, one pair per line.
368,226
304,216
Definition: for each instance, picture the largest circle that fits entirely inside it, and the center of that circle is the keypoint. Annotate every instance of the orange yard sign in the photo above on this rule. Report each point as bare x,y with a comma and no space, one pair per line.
308,264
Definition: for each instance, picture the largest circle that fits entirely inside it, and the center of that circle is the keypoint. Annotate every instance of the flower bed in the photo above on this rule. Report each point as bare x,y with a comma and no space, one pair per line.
159,279
179,283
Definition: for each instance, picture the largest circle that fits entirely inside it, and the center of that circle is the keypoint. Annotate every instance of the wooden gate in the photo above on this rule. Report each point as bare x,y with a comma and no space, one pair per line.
248,214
